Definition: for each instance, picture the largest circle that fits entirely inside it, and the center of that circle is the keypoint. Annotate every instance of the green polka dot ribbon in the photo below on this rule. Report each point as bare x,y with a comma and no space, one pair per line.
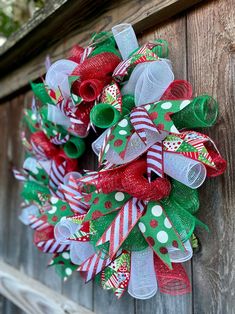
58,210
160,113
104,204
32,189
63,265
159,231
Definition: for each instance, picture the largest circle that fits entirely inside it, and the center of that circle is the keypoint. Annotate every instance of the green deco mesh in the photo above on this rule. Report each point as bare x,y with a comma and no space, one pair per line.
104,42
180,206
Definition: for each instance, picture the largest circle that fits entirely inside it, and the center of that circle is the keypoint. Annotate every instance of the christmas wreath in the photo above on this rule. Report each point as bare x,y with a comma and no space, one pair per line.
130,224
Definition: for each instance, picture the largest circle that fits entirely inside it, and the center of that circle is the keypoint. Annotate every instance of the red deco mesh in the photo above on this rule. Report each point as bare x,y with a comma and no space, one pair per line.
131,179
40,140
90,89
220,163
75,53
43,235
53,152
178,89
171,281
99,67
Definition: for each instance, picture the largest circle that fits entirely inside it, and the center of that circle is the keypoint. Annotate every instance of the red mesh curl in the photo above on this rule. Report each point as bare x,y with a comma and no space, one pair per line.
100,67
131,179
220,163
178,89
90,89
75,53
83,114
40,139
171,281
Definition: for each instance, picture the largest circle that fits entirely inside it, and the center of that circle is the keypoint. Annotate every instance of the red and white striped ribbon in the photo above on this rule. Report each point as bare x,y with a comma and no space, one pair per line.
122,225
155,160
56,178
58,140
105,142
87,51
141,122
37,223
52,246
94,265
20,175
70,193
38,151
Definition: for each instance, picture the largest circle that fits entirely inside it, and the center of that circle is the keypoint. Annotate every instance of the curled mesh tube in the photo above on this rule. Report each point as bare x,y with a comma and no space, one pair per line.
178,89
65,229
129,87
57,75
178,256
153,82
187,171
125,38
143,282
80,251
171,281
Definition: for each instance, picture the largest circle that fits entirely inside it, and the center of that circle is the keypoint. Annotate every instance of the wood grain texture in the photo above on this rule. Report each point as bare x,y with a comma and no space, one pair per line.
62,30
210,41
32,296
174,31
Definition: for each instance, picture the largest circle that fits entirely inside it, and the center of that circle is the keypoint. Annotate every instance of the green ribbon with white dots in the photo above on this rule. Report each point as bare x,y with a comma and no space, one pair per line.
159,231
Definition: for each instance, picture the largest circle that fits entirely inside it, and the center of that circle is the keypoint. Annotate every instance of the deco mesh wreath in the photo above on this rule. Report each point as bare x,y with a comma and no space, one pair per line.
130,224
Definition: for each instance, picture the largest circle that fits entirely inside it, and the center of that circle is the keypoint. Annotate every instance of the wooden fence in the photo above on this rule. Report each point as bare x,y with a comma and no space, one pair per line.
202,47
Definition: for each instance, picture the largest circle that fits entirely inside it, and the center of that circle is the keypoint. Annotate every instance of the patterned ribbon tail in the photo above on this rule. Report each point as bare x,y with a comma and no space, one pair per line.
173,281
116,276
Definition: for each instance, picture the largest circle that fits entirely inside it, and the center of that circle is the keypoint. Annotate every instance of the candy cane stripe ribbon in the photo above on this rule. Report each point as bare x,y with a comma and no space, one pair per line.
122,225
141,122
155,160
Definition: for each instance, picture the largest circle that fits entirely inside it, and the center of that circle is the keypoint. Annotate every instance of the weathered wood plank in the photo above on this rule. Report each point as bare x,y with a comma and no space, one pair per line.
53,36
34,297
174,31
211,65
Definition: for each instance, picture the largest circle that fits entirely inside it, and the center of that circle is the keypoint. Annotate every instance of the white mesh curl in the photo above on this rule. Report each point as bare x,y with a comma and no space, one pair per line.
143,282
125,38
185,170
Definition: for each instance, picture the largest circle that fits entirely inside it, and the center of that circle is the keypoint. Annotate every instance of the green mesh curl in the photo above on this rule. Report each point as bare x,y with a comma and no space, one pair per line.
105,48
201,112
128,102
134,242
161,50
